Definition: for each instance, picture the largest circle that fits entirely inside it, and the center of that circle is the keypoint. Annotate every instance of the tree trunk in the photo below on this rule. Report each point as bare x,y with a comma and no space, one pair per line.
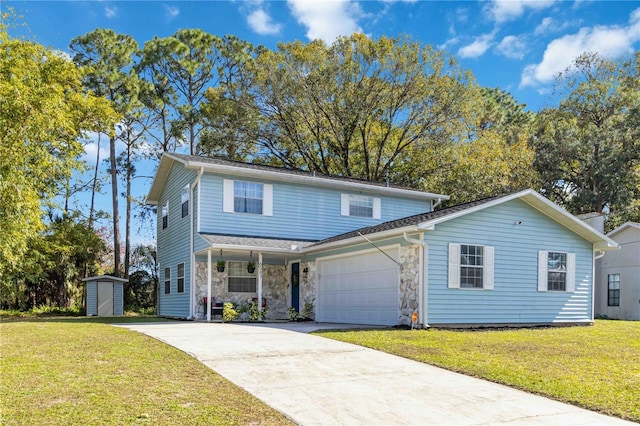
95,185
127,242
116,214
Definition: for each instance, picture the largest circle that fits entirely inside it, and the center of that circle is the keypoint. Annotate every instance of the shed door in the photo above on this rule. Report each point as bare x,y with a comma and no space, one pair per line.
359,289
105,299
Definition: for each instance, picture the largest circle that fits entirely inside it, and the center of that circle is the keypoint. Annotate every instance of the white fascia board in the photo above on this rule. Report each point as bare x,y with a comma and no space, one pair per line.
358,239
623,227
159,179
241,247
315,181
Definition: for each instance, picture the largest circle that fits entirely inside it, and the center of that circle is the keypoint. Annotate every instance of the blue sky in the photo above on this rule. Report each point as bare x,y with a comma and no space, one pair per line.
516,45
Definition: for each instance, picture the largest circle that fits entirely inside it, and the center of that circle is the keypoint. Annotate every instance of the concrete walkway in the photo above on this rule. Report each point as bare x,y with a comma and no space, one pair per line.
317,381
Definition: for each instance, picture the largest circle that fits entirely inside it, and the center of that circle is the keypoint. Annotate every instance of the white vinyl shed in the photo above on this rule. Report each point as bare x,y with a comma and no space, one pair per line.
105,296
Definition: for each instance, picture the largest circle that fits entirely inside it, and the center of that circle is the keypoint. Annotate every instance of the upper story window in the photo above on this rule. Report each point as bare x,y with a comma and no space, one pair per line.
165,215
247,197
556,271
613,282
184,199
470,266
360,206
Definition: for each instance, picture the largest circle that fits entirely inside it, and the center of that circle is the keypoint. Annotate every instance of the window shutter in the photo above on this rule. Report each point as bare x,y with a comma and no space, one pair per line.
571,272
488,268
227,196
267,199
377,208
542,270
454,265
344,204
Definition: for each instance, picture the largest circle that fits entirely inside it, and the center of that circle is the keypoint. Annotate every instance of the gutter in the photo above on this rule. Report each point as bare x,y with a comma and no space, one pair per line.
423,282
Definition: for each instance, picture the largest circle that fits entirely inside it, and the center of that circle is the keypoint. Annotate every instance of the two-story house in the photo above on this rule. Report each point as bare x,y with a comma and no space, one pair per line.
363,252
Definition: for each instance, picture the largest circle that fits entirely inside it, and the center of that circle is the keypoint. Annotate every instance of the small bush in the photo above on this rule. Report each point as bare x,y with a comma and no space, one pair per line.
228,312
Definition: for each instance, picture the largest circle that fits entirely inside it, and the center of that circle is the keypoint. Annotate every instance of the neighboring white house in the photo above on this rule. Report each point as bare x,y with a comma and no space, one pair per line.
617,292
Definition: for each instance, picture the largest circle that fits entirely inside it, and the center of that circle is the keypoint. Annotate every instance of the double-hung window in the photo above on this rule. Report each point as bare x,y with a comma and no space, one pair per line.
247,197
180,277
165,215
357,205
556,271
613,284
240,280
470,266
167,280
184,198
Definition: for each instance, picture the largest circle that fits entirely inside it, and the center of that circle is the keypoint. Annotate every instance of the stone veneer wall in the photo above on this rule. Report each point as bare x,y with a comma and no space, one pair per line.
308,286
409,282
274,289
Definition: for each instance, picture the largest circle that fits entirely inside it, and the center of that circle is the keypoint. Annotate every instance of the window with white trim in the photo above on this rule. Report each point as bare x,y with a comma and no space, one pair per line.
471,266
167,280
556,271
180,277
357,205
247,197
165,215
184,199
613,284
240,280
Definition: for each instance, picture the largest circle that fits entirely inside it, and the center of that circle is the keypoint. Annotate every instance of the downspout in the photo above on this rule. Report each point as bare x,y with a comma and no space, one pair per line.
436,204
593,281
192,256
423,282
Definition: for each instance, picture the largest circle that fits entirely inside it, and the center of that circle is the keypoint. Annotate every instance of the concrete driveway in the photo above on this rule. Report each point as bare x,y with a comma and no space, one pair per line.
313,380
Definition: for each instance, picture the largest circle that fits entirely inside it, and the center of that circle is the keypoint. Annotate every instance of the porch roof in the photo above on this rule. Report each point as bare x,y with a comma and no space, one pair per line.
261,244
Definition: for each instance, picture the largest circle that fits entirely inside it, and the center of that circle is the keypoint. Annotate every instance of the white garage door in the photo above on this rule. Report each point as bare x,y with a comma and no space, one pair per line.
359,289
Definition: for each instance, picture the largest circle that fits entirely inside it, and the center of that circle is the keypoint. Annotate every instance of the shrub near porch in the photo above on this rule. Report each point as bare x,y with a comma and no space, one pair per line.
595,367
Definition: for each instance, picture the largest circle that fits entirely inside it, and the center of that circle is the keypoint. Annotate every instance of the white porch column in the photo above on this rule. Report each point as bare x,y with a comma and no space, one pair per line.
259,281
209,285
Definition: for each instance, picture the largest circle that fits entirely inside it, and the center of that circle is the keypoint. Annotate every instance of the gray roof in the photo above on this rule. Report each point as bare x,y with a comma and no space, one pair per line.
284,170
244,241
408,221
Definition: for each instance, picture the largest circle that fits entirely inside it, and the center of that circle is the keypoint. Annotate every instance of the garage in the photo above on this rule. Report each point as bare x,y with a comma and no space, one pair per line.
359,289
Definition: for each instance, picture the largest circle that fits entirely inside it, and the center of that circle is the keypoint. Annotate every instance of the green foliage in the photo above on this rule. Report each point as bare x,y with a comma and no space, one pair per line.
141,291
305,315
256,314
293,314
588,148
229,312
43,110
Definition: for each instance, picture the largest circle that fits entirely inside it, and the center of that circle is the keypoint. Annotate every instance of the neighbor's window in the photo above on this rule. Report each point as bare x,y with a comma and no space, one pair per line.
167,280
556,271
247,197
471,266
165,215
614,289
180,277
185,200
240,280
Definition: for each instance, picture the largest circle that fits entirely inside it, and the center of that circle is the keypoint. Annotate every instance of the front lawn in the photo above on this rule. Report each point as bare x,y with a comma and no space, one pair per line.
595,367
63,371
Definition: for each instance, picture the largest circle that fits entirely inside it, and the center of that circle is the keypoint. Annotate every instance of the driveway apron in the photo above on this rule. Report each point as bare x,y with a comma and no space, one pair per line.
318,381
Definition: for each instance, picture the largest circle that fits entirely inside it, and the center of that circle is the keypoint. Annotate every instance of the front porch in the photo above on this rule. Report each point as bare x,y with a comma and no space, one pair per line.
280,276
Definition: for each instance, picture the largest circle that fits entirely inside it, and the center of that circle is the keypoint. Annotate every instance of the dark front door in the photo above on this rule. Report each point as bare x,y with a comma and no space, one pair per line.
295,286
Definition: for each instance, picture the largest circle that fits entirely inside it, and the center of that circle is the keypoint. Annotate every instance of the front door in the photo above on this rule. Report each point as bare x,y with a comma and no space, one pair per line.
295,286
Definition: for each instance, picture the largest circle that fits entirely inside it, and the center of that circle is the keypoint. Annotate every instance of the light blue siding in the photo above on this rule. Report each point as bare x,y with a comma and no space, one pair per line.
515,297
174,244
299,212
118,299
92,298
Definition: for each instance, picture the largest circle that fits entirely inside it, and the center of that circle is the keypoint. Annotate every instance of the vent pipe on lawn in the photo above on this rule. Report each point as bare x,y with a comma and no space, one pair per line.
423,283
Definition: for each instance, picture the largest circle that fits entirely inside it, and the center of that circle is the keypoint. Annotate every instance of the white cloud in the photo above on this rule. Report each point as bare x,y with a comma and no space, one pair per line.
171,12
478,47
550,25
508,10
327,20
513,47
546,24
608,41
110,11
449,43
261,23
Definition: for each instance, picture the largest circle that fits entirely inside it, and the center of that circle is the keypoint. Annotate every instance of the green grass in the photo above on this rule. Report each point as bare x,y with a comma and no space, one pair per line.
80,371
595,367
